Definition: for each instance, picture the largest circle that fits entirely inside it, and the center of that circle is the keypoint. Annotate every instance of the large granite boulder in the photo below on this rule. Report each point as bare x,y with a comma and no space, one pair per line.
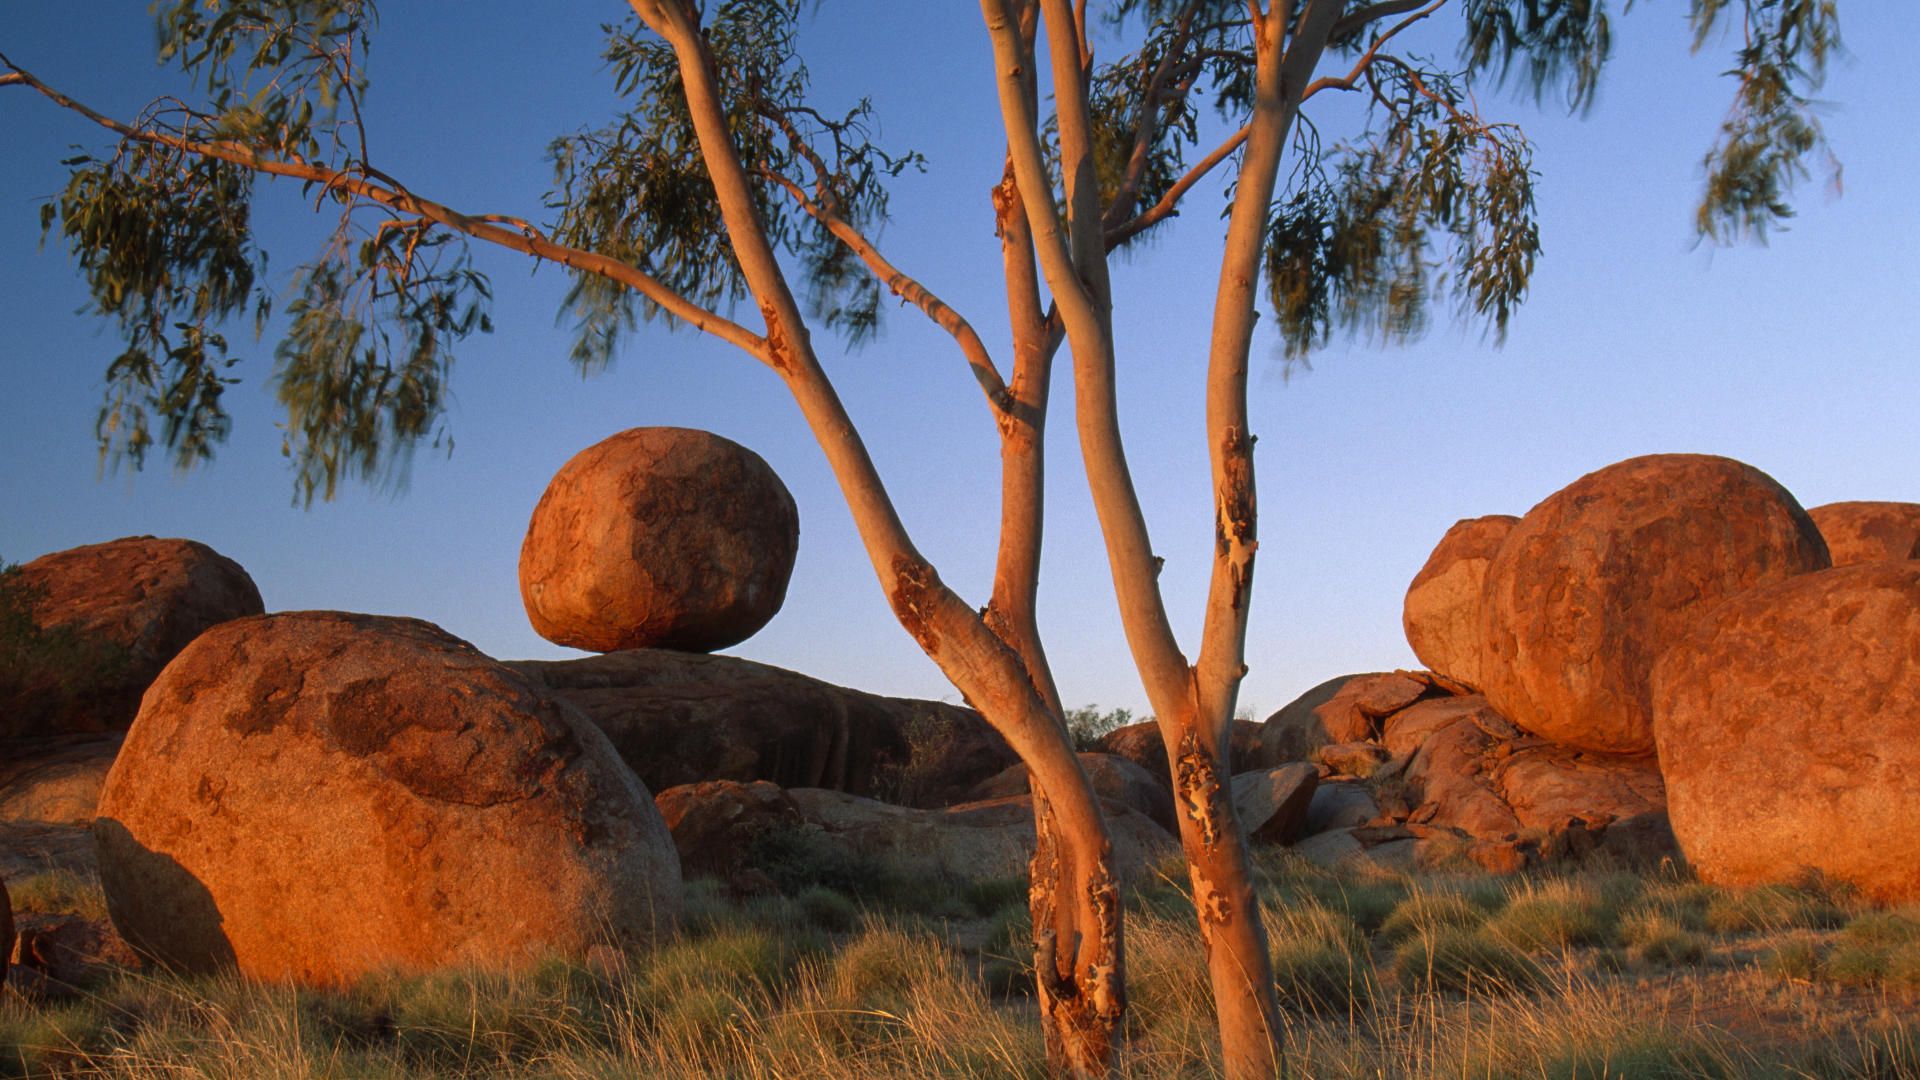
55,778
681,718
1598,580
84,631
659,537
1113,777
1272,804
717,824
1788,722
1347,709
316,796
1859,532
1441,615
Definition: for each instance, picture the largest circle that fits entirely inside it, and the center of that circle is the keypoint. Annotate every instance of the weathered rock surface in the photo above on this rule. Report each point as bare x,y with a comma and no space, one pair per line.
681,718
1598,580
1858,532
55,778
1339,804
659,537
1342,710
315,796
1441,615
717,823
1360,760
58,955
31,847
107,617
1272,803
971,842
6,933
1143,745
1113,777
1788,722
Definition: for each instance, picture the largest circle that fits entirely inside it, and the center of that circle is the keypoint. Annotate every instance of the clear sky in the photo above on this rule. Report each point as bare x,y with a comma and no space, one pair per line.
1798,357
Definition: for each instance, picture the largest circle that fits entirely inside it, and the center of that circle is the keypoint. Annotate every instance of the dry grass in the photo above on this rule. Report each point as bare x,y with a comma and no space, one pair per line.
1596,975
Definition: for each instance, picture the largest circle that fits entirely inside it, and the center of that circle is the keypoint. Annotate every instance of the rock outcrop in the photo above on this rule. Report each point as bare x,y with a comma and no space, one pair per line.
682,718
659,537
1788,722
55,778
93,626
717,824
1441,615
1272,804
1858,532
1113,777
1343,710
1143,745
315,796
1598,580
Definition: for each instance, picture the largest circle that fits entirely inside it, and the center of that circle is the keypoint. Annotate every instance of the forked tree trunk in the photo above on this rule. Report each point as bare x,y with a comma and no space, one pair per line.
1079,945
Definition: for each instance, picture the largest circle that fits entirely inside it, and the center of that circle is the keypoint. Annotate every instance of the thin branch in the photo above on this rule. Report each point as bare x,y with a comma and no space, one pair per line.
1147,124
1169,203
1373,52
908,289
1371,13
527,241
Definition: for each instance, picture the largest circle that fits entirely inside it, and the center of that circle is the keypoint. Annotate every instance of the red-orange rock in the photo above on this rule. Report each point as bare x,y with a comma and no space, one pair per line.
1272,804
1341,710
1143,745
1859,532
1789,728
1596,581
1442,611
1112,776
716,824
107,617
659,537
315,796
6,933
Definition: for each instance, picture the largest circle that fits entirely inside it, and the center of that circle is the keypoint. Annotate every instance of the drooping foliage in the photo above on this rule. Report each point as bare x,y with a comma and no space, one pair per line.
1431,204
637,189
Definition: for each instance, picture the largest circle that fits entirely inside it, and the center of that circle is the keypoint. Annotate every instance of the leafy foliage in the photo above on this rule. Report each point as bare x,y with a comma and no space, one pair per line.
638,189
1354,247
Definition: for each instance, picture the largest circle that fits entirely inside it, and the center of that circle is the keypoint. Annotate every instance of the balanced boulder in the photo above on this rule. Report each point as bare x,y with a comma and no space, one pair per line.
1441,615
315,796
659,537
1598,580
1869,531
90,627
1788,722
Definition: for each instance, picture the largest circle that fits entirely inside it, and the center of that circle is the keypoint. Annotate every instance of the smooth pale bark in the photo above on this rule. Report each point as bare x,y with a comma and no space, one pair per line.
1083,1009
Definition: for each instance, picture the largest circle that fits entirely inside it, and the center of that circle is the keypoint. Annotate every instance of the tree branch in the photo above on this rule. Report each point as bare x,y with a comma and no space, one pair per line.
1169,203
523,239
1386,9
1367,59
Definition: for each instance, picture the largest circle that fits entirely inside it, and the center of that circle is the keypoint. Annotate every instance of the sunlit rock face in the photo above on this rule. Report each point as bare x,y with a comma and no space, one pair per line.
100,622
316,796
1597,581
1441,615
1788,723
1858,532
659,538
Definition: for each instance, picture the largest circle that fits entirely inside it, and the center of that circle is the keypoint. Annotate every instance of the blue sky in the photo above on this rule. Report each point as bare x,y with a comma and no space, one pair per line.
1798,357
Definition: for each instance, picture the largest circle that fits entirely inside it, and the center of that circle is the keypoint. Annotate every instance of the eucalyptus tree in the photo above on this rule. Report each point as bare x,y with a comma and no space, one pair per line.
720,182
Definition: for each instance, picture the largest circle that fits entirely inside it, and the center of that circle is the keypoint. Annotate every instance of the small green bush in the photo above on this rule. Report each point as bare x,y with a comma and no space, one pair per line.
1659,939
1426,912
1771,908
827,909
1798,957
1552,918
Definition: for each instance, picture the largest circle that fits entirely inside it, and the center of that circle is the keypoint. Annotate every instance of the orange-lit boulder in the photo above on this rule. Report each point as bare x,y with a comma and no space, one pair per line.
1598,580
1112,776
105,619
316,796
659,537
1441,615
1343,710
1869,531
1789,728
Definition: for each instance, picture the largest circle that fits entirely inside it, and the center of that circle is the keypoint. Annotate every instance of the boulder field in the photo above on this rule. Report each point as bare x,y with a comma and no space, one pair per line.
313,797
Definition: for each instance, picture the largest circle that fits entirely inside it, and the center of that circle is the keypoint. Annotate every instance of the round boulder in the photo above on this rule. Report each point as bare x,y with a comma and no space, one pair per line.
1859,532
93,625
1442,611
315,796
1788,723
659,537
1597,581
